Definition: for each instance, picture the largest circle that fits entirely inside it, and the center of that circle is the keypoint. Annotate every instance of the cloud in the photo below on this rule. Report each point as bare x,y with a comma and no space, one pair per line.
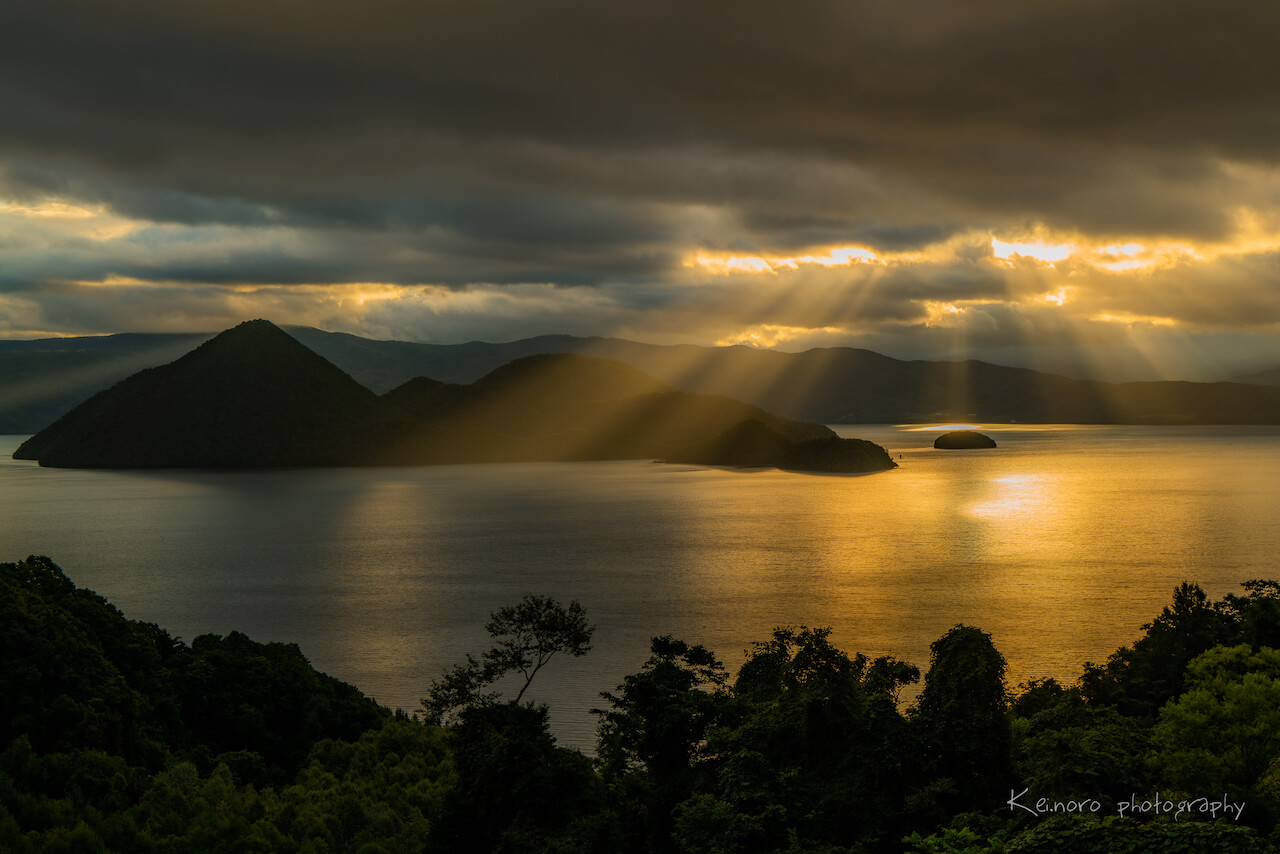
578,154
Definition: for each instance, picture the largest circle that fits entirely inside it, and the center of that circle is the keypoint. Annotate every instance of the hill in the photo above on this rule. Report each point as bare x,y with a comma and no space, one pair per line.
837,385
254,396
570,407
829,386
79,676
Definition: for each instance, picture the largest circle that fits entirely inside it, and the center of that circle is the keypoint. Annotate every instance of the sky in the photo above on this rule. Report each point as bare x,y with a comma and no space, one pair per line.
1086,187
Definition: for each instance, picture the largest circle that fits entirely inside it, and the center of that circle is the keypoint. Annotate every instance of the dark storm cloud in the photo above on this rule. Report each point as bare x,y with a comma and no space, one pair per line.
793,231
1056,110
561,165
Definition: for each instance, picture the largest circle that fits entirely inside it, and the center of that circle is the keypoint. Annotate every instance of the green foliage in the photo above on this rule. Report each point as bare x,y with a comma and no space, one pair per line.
515,789
1072,747
654,736
1225,730
121,738
952,840
528,635
381,790
1257,612
378,791
461,687
77,675
1265,797
659,718
1140,679
707,824
1036,696
1115,835
240,695
960,719
818,734
1088,835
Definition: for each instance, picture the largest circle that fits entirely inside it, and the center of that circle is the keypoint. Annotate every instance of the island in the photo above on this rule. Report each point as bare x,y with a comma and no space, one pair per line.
963,440
256,397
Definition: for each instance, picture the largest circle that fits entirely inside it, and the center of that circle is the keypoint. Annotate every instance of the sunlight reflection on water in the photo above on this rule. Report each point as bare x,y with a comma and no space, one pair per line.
1060,543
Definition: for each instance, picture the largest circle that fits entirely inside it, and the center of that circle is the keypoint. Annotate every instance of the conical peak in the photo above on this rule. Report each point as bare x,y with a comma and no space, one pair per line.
252,329
250,338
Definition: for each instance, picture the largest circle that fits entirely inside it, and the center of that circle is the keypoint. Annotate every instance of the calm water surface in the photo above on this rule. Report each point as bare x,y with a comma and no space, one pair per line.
1061,543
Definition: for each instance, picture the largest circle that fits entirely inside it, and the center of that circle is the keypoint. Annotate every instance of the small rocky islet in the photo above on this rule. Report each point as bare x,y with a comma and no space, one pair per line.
963,440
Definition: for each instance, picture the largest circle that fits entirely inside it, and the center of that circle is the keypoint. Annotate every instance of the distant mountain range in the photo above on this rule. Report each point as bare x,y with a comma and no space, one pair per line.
41,380
253,396
1268,377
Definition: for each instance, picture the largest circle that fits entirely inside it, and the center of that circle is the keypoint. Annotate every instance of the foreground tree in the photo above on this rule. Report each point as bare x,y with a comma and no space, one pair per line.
1225,730
533,631
653,738
812,750
529,634
515,789
1139,679
961,723
1075,746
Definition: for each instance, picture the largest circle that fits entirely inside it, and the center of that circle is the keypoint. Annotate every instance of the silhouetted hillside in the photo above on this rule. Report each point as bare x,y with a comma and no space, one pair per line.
568,407
79,676
751,443
424,397
252,396
384,365
837,385
832,385
843,385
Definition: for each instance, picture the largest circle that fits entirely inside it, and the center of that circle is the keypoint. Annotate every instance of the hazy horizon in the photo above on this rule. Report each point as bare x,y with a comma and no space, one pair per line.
1077,370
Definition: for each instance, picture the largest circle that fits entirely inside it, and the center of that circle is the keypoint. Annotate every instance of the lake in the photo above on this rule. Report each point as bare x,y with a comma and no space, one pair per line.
1061,543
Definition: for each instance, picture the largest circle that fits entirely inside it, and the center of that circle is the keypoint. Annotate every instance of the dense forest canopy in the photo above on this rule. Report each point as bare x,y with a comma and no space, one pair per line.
117,736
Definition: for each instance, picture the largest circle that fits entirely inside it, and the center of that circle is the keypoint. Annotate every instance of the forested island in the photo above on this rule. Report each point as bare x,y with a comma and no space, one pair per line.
254,397
956,440
117,736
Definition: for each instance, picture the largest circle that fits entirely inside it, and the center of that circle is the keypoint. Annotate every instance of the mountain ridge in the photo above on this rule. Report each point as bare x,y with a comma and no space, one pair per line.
255,396
40,380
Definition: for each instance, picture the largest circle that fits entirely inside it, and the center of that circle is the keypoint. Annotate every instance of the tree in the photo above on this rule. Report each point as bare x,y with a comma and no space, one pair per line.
534,631
653,738
1070,745
515,789
659,718
529,634
961,717
1258,612
1225,730
1138,680
814,738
